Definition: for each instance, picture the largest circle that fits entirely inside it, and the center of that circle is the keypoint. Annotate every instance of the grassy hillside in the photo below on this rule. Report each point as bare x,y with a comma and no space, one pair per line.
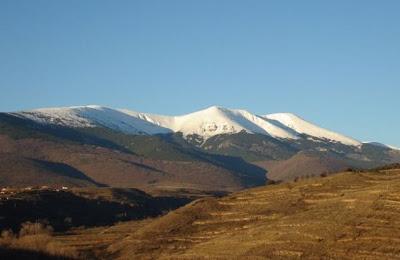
345,216
351,215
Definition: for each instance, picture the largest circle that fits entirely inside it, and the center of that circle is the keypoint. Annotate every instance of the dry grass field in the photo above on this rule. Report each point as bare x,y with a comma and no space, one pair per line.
352,215
345,216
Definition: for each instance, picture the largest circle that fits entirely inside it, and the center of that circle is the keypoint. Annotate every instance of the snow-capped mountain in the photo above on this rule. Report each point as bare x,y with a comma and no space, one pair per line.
205,123
216,120
301,126
93,116
227,137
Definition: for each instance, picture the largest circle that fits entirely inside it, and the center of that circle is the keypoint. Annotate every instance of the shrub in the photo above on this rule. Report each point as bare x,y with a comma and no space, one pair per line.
6,237
273,182
29,228
36,237
37,242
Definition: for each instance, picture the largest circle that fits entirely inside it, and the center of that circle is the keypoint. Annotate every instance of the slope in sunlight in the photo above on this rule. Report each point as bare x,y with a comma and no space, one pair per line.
346,216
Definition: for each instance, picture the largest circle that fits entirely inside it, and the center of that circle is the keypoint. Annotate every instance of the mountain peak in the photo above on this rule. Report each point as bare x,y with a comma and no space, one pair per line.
212,109
96,107
215,107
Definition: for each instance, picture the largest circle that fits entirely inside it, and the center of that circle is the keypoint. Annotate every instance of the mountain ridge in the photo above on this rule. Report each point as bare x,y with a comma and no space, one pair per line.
206,123
227,140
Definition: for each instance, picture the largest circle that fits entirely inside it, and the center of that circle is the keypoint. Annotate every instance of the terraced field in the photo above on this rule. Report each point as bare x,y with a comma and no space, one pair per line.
92,243
346,216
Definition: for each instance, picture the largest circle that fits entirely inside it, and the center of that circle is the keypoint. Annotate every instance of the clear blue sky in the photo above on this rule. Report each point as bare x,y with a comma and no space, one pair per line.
335,63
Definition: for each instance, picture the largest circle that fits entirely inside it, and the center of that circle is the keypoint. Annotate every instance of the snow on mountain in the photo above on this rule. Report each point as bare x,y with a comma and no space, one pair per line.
206,123
214,121
301,126
92,116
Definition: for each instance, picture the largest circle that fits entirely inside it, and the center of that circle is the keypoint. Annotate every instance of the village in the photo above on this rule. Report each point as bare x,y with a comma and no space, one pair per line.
6,192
